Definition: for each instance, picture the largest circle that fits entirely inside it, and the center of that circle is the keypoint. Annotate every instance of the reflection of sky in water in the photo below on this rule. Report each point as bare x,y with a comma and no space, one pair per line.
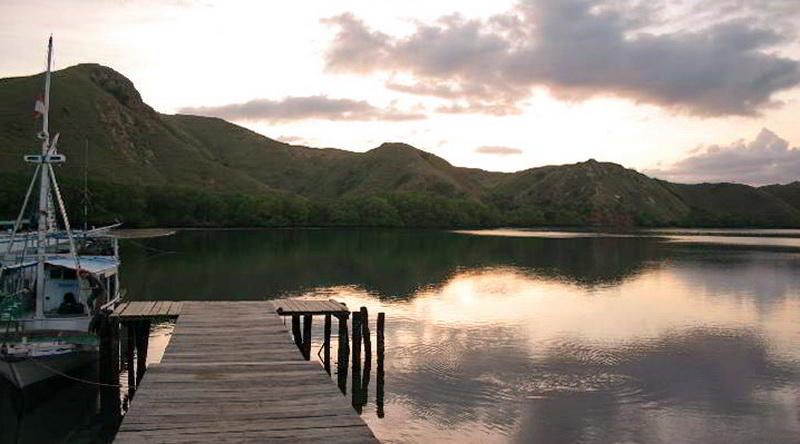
539,337
683,352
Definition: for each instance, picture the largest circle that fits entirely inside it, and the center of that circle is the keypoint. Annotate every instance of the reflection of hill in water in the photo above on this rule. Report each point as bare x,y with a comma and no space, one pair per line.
579,391
391,264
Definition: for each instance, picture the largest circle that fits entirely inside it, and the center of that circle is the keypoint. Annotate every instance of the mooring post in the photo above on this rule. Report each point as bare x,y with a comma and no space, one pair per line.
115,351
142,344
344,353
104,361
298,337
364,391
380,381
109,370
326,357
355,388
307,319
366,332
130,359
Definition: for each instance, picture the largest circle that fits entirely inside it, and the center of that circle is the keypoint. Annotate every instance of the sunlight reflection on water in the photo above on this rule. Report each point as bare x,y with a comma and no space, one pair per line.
543,338
502,354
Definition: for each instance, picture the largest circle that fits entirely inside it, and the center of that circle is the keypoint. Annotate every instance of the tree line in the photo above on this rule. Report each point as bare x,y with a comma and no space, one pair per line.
171,206
139,206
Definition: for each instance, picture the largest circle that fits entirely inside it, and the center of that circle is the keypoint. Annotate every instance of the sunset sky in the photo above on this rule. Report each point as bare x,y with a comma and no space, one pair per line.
689,91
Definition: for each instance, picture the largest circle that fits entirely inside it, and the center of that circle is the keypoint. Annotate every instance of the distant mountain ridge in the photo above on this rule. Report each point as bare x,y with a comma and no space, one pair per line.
213,163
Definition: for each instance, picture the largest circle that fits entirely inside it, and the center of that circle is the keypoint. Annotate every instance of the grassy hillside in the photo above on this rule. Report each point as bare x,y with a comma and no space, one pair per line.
789,193
735,205
128,141
588,193
149,168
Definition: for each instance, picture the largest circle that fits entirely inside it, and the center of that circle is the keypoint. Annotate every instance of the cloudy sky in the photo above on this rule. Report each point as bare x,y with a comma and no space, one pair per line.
688,90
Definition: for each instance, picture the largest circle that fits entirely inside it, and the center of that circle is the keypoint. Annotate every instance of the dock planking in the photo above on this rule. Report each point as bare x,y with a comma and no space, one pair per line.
232,374
147,309
285,307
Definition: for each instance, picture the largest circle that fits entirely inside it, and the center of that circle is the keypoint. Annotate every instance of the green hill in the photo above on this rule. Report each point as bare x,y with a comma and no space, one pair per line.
789,193
148,168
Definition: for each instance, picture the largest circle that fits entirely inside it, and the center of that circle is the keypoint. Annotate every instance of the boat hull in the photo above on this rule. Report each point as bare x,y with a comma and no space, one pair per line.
23,373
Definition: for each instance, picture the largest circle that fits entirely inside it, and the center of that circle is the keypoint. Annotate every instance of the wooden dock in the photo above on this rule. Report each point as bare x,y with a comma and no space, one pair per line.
232,374
148,310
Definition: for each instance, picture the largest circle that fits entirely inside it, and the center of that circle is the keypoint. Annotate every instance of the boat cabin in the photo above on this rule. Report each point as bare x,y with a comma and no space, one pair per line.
66,295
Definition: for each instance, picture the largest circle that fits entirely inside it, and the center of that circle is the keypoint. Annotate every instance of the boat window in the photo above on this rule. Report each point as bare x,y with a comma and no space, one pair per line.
70,274
55,273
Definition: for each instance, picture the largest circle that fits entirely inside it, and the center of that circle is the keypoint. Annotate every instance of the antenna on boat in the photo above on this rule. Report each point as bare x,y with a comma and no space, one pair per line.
44,185
48,185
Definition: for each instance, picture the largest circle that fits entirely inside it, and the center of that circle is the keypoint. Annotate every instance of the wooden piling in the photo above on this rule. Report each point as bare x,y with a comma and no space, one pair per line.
109,371
142,344
366,334
130,359
363,392
307,319
355,387
344,354
298,337
380,380
326,357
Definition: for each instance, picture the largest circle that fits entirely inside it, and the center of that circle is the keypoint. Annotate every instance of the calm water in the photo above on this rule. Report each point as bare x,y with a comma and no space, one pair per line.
537,337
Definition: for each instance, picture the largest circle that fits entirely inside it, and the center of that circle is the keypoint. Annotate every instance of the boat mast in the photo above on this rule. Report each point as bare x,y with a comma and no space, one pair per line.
44,188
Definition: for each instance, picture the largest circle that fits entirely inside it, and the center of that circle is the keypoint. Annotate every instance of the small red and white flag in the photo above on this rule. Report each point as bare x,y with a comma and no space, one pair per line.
38,108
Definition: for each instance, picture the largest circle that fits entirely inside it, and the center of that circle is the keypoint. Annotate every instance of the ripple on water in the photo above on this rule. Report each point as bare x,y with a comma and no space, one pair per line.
441,385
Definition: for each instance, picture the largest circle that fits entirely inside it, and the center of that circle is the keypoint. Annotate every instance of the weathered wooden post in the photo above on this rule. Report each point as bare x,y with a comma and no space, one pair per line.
380,382
130,360
109,370
298,337
364,390
344,353
326,358
142,344
367,337
355,387
307,319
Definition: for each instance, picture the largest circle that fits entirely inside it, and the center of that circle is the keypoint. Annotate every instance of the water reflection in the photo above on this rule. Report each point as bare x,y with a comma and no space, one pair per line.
498,339
498,355
390,264
52,411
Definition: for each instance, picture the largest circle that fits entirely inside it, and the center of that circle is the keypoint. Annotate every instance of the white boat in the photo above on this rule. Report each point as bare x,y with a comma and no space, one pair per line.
53,281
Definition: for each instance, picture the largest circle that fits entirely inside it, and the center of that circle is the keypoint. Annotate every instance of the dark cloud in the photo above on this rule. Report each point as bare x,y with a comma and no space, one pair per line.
765,160
578,49
300,108
498,150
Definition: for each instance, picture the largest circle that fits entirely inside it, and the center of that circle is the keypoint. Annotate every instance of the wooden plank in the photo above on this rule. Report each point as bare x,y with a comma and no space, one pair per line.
125,307
154,309
147,309
303,307
165,307
232,374
176,308
140,308
134,308
121,308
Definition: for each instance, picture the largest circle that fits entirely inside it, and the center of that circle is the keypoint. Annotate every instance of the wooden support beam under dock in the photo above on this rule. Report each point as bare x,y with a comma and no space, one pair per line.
231,373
